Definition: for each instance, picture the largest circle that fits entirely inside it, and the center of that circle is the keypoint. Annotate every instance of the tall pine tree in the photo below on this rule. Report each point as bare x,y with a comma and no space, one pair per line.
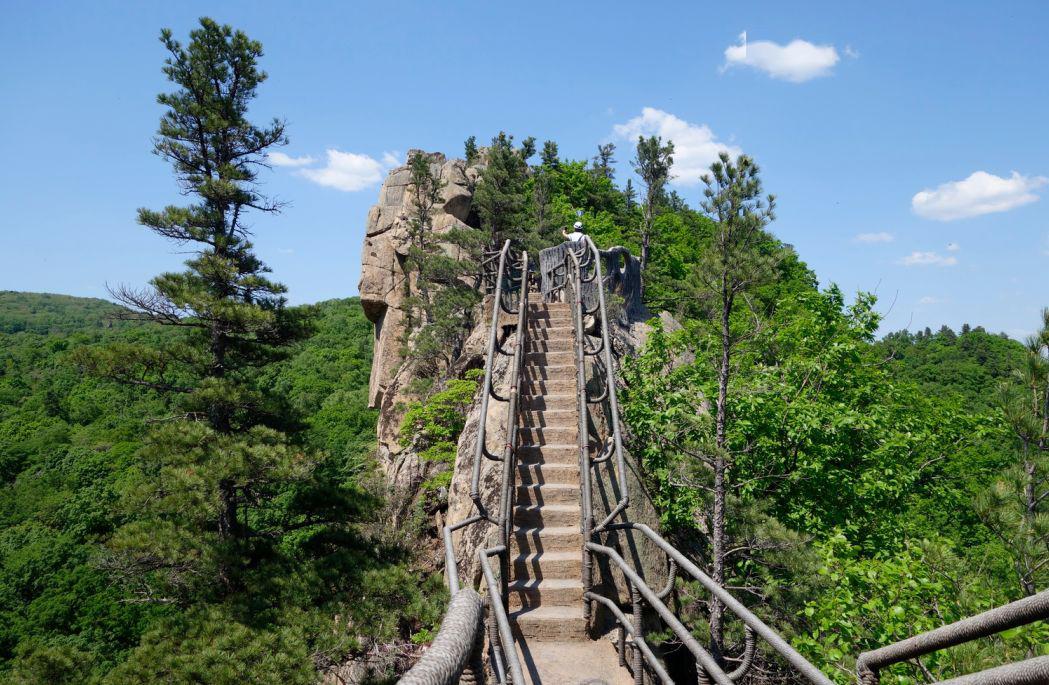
734,265
501,197
445,281
1014,509
652,163
209,471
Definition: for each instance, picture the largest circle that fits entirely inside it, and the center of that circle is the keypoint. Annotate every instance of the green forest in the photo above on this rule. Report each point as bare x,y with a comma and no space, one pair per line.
189,488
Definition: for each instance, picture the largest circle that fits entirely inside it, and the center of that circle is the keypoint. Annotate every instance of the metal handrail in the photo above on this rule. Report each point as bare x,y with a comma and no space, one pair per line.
1022,612
502,621
770,636
505,659
703,657
581,266
625,626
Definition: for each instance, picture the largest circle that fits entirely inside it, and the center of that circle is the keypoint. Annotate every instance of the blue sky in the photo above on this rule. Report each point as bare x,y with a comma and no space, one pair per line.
919,127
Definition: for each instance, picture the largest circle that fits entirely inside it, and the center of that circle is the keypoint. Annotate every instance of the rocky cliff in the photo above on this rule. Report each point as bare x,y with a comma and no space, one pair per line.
382,295
382,290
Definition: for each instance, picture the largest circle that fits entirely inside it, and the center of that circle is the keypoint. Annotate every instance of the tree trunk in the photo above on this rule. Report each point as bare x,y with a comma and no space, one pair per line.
218,411
717,631
228,525
1027,527
646,239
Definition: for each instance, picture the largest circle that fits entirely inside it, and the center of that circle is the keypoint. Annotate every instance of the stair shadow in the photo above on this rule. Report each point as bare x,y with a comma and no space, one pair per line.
529,662
532,538
534,471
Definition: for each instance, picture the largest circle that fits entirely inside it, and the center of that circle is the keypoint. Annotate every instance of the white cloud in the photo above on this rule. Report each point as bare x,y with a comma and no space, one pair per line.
350,171
281,159
953,247
695,145
881,237
917,258
980,193
392,159
797,61
929,299
851,52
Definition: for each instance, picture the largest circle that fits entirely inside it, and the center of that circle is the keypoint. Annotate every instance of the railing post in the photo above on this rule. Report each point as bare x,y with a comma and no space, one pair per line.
639,632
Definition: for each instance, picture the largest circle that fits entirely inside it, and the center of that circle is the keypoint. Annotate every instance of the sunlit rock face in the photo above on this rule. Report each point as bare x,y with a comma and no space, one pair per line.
386,243
382,290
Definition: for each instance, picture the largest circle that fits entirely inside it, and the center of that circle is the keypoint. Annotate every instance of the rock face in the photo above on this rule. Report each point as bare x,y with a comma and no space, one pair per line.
382,290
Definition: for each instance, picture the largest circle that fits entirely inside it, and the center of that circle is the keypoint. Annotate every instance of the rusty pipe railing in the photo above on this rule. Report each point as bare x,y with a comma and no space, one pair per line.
759,627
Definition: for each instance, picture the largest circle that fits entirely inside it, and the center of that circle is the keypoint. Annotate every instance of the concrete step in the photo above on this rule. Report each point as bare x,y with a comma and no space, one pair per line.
549,330
552,328
553,453
552,418
572,661
553,515
558,358
534,435
567,564
540,473
549,623
557,343
529,594
549,372
546,329
549,493
549,307
550,402
551,539
533,387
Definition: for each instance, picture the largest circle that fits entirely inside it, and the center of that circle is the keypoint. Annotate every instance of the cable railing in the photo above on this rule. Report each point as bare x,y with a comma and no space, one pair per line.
504,274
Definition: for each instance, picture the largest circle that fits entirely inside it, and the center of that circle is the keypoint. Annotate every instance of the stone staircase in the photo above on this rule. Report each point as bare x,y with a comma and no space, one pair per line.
546,599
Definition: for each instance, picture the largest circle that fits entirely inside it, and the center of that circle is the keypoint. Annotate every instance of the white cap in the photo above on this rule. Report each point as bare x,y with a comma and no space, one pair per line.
577,225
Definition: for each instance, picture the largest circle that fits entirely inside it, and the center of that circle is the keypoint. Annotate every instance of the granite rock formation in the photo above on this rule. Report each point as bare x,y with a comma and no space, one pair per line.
382,291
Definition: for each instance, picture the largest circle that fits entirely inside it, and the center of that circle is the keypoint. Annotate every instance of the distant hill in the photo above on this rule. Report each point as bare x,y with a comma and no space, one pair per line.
969,364
48,313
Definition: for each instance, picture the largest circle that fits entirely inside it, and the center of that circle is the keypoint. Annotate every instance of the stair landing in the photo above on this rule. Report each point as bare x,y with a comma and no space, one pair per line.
572,663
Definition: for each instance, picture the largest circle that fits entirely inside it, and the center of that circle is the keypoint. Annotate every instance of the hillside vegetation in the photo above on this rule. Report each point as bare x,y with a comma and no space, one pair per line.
69,450
48,313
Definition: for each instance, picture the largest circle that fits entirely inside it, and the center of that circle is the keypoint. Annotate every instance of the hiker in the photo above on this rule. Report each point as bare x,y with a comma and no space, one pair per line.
577,232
